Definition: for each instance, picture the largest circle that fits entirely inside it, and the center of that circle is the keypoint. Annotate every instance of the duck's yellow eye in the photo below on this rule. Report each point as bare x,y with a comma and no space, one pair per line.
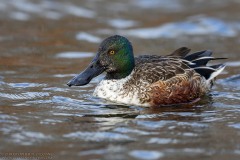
112,52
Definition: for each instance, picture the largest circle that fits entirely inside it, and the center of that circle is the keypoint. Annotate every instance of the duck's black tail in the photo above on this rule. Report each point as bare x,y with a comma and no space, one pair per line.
198,61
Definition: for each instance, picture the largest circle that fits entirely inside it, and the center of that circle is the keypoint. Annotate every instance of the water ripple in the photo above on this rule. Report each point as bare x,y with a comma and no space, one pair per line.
75,55
233,64
111,152
144,154
88,37
26,85
66,100
162,140
228,95
193,26
99,136
4,118
153,124
29,137
55,89
50,121
173,5
134,131
232,81
78,11
235,125
21,16
122,23
9,129
63,75
27,95
193,124
24,10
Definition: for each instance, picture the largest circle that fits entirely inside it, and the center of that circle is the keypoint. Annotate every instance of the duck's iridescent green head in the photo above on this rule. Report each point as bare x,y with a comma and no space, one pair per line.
115,56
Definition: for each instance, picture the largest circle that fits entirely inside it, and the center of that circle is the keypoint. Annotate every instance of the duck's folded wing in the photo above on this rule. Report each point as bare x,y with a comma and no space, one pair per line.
161,68
165,67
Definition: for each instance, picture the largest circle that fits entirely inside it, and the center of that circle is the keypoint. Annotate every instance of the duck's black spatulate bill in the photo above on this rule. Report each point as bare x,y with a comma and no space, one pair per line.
93,70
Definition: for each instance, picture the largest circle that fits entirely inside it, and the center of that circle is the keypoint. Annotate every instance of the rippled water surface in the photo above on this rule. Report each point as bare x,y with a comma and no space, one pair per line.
44,43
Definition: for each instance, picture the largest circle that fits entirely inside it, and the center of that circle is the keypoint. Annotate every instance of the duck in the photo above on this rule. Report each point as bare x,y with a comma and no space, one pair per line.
149,80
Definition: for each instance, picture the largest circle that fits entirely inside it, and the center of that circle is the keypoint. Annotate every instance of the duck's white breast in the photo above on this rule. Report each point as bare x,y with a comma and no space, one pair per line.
115,91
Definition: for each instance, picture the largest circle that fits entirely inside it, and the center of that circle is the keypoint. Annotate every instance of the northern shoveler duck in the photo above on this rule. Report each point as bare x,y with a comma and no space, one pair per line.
149,80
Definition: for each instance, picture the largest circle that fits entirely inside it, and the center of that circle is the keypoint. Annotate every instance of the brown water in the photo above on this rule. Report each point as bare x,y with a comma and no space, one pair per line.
44,43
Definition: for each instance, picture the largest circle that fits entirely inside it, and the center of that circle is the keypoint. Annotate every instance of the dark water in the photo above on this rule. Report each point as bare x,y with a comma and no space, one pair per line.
44,43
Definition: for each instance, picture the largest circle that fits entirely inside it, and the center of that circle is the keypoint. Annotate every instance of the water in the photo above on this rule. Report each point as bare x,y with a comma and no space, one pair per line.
44,43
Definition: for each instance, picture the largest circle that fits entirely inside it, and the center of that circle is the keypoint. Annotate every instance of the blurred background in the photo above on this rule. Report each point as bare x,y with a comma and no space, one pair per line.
44,43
